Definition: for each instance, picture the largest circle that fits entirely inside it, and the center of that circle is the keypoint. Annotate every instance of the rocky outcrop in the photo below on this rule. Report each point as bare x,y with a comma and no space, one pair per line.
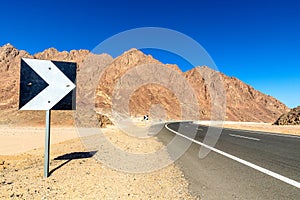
104,120
290,118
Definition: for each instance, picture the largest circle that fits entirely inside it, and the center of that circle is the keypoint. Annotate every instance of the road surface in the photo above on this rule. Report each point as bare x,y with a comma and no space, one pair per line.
245,165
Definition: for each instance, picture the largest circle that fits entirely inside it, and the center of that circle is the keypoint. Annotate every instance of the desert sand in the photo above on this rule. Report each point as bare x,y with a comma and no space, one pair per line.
75,175
15,140
267,127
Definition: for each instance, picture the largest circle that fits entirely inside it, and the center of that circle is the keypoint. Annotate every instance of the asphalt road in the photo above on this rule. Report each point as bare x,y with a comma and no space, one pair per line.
217,176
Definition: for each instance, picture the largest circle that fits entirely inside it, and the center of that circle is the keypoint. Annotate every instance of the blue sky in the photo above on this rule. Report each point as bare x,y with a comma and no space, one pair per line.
255,41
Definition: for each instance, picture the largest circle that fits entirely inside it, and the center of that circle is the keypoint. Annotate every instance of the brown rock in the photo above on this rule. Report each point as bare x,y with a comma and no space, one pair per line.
103,120
290,118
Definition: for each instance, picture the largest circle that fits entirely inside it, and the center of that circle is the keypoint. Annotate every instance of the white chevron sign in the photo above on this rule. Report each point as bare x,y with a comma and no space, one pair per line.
44,85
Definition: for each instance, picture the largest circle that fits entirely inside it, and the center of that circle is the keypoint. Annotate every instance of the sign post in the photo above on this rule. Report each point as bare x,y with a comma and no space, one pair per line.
47,144
47,85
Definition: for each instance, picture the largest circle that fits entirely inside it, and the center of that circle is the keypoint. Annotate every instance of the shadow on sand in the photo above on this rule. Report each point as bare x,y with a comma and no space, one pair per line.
72,156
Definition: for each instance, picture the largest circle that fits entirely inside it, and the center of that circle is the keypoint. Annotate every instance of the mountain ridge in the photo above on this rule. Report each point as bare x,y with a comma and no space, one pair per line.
244,103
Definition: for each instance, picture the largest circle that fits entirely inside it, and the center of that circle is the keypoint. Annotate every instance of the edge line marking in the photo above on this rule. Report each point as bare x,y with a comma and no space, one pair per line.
249,164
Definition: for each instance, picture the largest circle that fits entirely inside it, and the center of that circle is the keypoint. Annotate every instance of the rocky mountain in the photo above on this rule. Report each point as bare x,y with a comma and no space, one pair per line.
243,102
290,118
160,89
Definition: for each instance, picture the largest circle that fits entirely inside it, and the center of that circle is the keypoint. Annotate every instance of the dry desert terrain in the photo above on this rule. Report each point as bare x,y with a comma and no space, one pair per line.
77,176
74,175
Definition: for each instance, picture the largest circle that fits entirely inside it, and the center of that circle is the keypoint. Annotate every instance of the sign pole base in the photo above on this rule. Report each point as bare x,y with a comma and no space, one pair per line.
47,144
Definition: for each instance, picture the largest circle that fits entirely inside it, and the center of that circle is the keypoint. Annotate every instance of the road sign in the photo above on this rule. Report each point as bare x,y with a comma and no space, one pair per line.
47,85
146,117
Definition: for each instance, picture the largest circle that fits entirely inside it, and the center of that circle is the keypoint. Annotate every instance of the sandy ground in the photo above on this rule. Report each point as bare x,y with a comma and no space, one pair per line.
74,174
15,140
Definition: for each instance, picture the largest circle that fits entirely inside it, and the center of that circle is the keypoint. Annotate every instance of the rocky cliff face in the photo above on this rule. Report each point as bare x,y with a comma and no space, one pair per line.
243,103
247,104
290,118
135,64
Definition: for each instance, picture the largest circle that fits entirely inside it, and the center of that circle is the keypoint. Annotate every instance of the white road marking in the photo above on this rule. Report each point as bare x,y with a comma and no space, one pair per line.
245,137
256,167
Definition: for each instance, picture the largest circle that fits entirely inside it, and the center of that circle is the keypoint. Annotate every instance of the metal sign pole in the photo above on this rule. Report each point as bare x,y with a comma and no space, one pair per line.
47,144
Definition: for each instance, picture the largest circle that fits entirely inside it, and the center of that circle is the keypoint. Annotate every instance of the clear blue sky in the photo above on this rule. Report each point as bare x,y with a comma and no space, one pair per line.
257,41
